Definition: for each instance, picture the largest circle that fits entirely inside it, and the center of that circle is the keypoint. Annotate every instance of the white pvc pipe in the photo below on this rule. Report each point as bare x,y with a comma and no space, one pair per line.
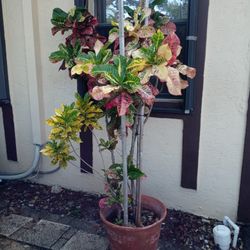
25,173
228,222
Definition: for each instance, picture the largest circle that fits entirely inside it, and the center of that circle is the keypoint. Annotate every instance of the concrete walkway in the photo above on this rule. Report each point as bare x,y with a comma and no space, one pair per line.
19,232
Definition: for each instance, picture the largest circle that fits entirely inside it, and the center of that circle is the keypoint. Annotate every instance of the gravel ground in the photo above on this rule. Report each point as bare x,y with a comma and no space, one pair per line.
180,231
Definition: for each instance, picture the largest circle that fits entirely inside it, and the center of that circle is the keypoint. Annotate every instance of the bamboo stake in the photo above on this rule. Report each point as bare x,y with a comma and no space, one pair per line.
139,164
131,156
123,120
143,4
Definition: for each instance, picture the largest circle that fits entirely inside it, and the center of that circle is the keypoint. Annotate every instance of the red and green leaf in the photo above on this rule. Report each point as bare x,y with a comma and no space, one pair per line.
121,102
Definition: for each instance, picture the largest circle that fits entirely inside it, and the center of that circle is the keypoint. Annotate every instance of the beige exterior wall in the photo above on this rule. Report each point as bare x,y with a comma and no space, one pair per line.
17,71
226,89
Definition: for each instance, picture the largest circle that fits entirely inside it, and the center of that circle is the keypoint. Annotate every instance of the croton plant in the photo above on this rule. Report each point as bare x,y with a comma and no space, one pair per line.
117,85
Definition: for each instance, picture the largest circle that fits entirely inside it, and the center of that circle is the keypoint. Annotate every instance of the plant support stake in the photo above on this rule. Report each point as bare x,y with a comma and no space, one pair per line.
123,121
143,4
139,164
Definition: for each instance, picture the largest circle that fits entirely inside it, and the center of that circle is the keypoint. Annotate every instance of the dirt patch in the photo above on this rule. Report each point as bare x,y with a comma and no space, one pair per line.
179,231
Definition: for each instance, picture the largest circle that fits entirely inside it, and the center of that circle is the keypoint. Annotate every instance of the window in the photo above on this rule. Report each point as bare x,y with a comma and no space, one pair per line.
184,14
174,9
4,90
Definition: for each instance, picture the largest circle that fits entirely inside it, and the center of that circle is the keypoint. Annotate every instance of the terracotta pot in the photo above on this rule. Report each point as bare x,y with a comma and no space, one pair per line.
139,238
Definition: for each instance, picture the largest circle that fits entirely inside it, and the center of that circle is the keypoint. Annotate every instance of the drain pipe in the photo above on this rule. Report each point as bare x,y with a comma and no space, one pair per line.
31,170
25,173
222,234
228,222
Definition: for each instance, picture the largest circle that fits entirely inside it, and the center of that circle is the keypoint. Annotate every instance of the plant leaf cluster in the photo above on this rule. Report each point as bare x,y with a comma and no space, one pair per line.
66,54
82,34
66,124
117,85
114,177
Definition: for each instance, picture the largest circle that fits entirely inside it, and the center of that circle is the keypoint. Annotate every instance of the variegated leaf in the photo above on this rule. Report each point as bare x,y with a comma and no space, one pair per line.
132,45
128,26
121,102
146,31
78,69
100,92
161,71
146,94
121,64
165,52
137,54
124,102
56,56
145,75
146,12
131,83
178,50
98,46
174,83
137,65
113,23
113,36
109,71
157,39
186,71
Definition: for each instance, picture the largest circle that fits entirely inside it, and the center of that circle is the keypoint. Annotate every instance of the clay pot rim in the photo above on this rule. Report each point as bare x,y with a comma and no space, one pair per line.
138,228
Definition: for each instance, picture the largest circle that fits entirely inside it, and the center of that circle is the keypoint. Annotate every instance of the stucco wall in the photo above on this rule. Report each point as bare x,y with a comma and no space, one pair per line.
226,89
17,71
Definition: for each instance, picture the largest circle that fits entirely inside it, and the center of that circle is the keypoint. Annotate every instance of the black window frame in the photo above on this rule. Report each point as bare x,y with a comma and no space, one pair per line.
165,103
5,103
4,82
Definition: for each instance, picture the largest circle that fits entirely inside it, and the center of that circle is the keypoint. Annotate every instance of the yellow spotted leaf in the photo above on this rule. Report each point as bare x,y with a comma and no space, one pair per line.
113,23
113,36
129,26
161,71
146,31
174,83
145,75
165,52
137,65
78,69
56,130
98,46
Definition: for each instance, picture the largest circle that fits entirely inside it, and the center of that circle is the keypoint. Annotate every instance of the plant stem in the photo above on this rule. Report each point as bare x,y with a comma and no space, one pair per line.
101,178
100,152
133,139
109,137
81,159
151,108
139,164
123,120
131,154
125,169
